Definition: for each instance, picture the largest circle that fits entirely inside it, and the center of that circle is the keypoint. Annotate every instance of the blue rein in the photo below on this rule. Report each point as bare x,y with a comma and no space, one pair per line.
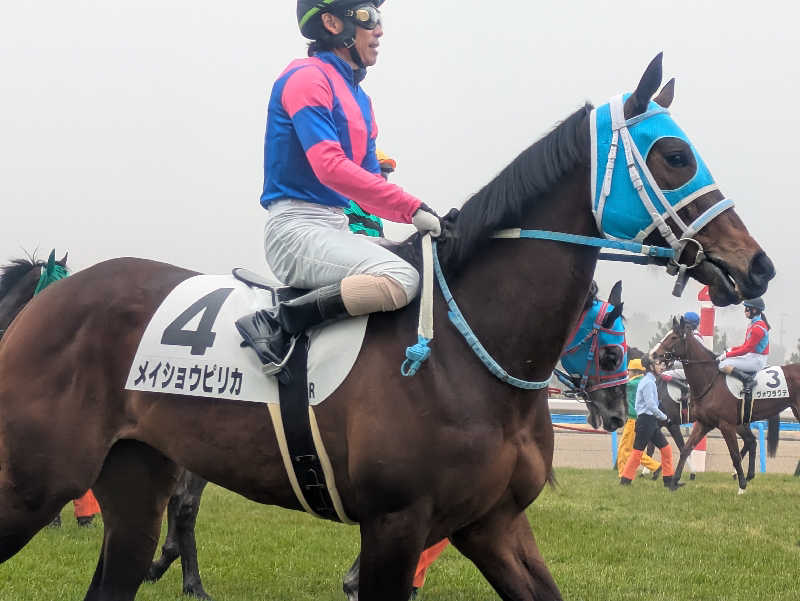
419,352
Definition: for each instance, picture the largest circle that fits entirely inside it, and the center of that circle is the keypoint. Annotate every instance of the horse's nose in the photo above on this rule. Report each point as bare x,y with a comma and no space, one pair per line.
761,271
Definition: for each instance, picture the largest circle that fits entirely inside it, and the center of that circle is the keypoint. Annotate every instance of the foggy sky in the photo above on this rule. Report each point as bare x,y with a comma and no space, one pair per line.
136,128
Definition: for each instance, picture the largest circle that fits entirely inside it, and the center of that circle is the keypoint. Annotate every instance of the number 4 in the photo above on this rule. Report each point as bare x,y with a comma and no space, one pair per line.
202,338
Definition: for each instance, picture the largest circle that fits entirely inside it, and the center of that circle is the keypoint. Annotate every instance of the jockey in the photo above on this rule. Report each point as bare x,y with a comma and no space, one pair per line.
319,152
744,361
676,375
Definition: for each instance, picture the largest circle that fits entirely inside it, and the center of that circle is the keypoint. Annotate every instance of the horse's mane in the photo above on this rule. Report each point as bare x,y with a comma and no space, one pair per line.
502,202
14,272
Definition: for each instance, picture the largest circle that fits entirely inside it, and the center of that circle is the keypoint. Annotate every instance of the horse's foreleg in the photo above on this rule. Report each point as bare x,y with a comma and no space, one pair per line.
185,523
169,550
729,434
675,431
749,447
695,436
390,549
504,550
133,488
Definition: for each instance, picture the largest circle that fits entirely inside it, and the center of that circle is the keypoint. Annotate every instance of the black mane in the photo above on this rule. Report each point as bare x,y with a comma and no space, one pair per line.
502,202
14,272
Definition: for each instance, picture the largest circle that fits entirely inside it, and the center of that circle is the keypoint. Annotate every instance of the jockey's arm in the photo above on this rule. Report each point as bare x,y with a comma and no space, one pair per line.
308,100
754,336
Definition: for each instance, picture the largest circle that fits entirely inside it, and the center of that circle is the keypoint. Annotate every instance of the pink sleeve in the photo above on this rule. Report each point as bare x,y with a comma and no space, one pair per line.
370,191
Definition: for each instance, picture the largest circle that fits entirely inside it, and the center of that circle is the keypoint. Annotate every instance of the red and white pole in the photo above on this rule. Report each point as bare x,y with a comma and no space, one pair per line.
706,329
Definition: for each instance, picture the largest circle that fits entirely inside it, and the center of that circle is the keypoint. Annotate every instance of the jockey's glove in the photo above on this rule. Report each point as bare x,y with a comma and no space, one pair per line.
426,220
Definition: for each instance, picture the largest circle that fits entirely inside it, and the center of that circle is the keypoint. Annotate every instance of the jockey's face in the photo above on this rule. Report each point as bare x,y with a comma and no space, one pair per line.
367,42
749,313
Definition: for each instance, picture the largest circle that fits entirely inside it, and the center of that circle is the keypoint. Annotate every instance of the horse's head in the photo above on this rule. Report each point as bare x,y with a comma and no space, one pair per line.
674,199
596,359
674,344
19,281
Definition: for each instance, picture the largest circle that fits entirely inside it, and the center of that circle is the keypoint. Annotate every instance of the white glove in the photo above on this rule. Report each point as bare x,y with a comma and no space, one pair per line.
722,356
426,221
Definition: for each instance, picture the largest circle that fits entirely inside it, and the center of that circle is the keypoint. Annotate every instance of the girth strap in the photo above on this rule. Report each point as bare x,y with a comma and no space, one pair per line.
304,456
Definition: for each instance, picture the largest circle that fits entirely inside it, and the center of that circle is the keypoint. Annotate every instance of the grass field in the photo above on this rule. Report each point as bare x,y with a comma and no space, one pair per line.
601,541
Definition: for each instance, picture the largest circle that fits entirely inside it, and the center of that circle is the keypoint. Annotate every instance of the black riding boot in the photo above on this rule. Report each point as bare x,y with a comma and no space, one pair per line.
268,331
748,380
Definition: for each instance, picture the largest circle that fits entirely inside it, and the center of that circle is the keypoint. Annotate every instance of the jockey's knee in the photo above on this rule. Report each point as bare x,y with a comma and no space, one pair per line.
365,293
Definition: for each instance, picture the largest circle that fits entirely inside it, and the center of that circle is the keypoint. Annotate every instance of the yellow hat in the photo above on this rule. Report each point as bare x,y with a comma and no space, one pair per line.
385,161
635,365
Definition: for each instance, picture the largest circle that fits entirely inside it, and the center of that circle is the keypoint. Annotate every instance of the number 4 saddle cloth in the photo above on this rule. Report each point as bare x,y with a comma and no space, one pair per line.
192,348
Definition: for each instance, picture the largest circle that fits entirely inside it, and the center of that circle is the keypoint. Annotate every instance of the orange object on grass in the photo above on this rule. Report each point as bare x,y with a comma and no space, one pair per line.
86,506
426,558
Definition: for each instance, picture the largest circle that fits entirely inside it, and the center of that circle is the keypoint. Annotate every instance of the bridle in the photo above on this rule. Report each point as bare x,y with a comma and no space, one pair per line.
593,377
672,355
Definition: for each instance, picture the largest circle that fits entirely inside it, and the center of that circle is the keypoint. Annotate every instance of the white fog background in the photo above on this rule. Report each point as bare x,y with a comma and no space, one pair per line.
136,128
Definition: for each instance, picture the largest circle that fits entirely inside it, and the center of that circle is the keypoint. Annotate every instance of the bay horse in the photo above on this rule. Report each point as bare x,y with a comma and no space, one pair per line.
452,452
19,280
675,417
712,405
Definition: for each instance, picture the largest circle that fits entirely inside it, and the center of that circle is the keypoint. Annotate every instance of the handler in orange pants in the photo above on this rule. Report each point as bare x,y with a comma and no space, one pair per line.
647,427
635,373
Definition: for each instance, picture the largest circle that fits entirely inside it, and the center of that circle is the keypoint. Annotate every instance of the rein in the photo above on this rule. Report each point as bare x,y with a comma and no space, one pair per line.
710,385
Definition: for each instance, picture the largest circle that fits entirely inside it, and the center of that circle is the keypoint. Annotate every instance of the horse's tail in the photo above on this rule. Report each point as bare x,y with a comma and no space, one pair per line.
773,434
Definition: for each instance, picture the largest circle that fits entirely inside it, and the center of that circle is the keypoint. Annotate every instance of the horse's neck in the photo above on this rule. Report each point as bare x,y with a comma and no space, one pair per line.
700,368
523,297
13,302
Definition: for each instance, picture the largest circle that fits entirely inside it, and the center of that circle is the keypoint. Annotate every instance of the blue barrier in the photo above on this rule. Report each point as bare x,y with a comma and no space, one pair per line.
760,426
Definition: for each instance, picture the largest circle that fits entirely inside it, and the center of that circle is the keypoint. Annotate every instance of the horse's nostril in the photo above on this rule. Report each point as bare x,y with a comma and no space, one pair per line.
761,268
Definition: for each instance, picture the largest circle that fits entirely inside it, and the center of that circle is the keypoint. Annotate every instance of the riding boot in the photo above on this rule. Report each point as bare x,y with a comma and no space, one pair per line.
268,331
748,380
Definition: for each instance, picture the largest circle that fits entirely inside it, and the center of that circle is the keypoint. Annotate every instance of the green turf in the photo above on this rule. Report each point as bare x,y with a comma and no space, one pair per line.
601,541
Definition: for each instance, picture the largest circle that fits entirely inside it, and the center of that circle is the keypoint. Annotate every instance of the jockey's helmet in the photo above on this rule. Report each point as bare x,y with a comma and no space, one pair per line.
755,303
352,12
692,318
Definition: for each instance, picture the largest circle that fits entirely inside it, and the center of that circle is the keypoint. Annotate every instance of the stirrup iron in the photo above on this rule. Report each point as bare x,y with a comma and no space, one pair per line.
273,369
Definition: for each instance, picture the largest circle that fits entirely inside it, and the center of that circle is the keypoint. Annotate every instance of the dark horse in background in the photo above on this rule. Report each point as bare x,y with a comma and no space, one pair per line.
452,452
677,414
711,403
18,281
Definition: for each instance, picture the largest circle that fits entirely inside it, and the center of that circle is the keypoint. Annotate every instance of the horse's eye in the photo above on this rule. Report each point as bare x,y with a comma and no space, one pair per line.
677,159
610,358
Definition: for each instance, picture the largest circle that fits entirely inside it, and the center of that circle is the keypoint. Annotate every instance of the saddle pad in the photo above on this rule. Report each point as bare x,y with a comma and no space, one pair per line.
770,384
191,346
673,392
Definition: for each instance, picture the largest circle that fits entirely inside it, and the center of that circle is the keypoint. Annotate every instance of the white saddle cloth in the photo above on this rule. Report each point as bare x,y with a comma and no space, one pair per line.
191,346
770,384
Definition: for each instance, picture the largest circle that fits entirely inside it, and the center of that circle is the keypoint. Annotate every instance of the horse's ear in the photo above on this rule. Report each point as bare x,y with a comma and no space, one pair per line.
609,319
615,298
63,261
648,86
666,95
675,324
682,324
